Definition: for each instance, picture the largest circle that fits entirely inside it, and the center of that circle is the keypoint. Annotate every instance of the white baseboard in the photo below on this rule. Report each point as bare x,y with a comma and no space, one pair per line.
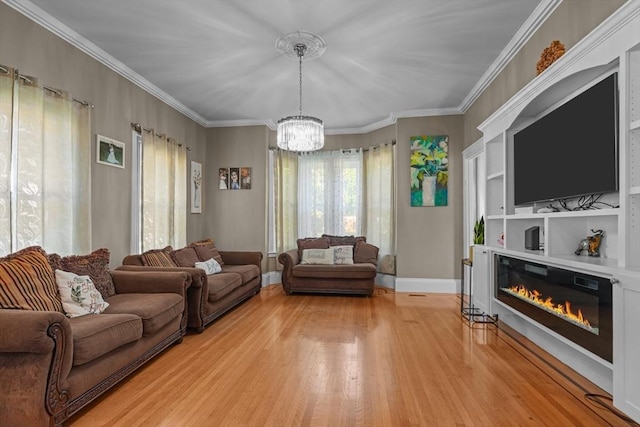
270,278
386,281
443,286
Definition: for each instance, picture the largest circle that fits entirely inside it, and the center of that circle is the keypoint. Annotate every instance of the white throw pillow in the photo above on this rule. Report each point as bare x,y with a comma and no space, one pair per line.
79,295
209,266
317,256
343,254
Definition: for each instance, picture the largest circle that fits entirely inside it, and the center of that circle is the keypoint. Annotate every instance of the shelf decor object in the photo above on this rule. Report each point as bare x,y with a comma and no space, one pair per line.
549,55
300,133
591,244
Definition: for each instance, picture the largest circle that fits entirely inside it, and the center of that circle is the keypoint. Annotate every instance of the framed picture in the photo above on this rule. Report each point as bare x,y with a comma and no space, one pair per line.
245,178
196,187
109,152
234,178
429,170
223,179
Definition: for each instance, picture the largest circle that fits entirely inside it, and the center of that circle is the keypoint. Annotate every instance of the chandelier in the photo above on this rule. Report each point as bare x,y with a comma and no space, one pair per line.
300,133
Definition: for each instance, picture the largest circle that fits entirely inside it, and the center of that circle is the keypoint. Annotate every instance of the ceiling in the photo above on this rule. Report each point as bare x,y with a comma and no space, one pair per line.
215,60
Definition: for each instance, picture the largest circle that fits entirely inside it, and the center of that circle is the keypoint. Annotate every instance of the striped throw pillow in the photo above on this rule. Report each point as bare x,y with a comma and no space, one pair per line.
159,258
27,282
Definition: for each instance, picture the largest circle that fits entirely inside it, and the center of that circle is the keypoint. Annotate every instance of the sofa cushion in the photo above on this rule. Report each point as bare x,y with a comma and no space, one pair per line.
95,265
209,266
312,243
343,240
185,257
365,252
247,272
159,257
206,249
79,295
155,310
222,284
317,256
98,334
27,281
343,255
353,271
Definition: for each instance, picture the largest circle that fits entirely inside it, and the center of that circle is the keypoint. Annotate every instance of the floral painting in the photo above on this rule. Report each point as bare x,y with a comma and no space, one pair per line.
429,170
196,187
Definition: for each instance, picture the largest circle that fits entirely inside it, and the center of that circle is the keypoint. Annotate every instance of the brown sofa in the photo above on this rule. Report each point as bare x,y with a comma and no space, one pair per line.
356,278
209,296
51,365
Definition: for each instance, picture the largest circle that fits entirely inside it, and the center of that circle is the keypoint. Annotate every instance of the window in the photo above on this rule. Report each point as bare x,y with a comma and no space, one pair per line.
163,192
343,192
44,133
330,193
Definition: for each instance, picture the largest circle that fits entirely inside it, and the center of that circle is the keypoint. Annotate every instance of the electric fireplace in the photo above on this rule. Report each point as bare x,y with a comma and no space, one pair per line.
575,305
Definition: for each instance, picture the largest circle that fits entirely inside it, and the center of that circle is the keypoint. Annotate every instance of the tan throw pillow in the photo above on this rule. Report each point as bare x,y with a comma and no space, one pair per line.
343,255
27,282
185,257
207,250
79,295
96,266
317,256
365,252
312,243
159,257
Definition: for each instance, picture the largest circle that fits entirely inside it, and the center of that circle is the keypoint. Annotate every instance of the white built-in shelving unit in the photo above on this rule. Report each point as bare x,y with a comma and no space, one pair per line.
612,47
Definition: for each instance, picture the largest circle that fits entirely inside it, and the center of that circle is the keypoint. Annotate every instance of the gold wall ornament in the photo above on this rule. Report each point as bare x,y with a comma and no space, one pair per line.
549,56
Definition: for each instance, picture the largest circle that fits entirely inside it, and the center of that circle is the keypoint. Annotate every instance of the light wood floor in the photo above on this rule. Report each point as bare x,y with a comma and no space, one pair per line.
389,360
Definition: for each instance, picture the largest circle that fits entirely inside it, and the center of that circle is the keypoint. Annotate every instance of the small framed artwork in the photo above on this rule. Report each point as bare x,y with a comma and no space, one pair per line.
223,178
196,187
234,178
245,178
109,152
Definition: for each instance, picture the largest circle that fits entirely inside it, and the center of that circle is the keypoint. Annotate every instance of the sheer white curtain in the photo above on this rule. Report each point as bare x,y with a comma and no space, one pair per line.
45,168
164,189
286,199
380,204
330,193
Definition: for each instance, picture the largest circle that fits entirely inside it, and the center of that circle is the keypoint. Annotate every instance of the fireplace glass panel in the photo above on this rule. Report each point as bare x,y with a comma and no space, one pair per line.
575,305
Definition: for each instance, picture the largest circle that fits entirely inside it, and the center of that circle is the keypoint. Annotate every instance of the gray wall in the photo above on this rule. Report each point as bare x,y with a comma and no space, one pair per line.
569,23
118,102
237,219
429,240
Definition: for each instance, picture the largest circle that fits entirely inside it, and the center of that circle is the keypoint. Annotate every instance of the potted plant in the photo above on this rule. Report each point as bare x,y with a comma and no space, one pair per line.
478,235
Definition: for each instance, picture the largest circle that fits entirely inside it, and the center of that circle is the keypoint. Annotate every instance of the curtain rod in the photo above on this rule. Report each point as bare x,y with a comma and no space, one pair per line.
137,127
392,142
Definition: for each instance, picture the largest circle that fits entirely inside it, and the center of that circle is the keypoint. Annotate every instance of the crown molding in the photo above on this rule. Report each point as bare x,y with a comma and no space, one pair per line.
530,26
600,48
52,24
39,16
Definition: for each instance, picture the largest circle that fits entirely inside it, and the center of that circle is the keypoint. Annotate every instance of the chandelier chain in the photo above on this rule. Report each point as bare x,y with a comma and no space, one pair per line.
300,48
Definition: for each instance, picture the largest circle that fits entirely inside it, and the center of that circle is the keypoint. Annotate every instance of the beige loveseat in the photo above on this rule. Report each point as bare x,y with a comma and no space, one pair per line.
51,365
307,270
209,296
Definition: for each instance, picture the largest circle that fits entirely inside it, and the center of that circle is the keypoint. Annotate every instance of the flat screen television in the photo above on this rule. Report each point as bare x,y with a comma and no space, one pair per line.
571,151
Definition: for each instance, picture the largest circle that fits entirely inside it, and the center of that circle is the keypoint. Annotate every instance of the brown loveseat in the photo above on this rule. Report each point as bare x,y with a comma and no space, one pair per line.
52,365
209,296
346,276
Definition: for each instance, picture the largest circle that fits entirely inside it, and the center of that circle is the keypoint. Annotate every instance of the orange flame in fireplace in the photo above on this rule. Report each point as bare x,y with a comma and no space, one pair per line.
536,298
